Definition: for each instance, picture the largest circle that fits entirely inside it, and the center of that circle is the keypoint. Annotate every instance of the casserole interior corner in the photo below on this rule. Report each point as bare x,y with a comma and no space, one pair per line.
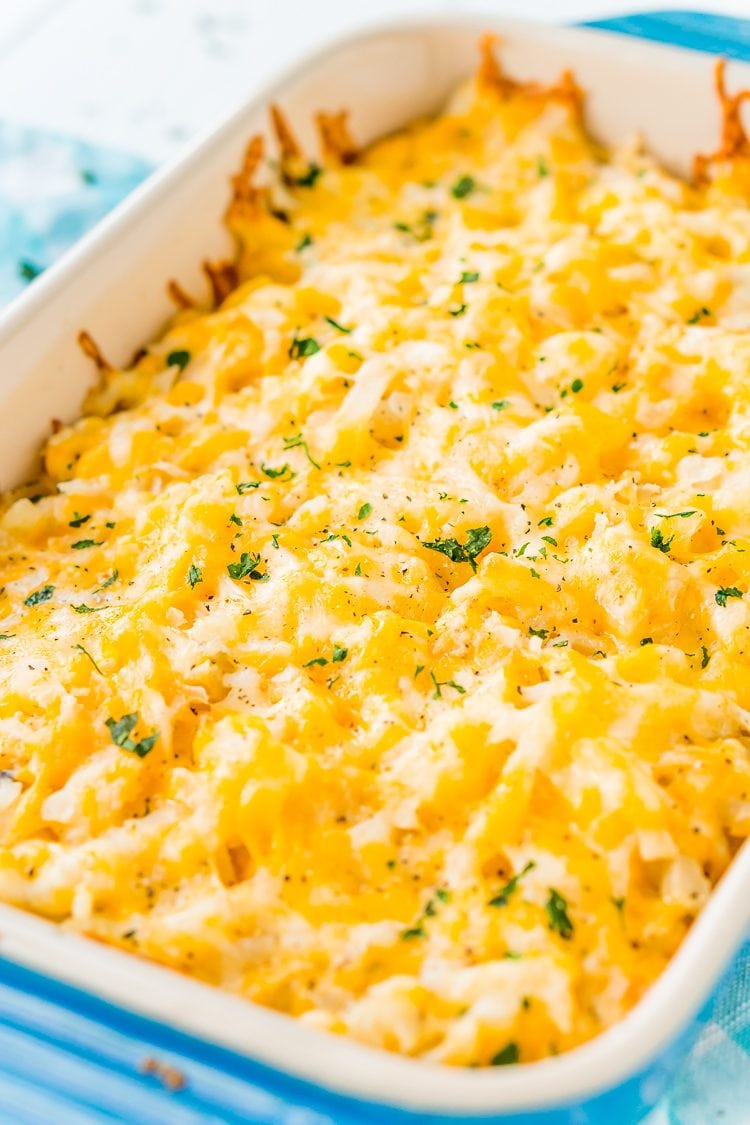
374,645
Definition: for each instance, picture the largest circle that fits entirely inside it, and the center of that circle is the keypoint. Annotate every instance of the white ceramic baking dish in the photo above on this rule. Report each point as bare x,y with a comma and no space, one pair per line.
113,285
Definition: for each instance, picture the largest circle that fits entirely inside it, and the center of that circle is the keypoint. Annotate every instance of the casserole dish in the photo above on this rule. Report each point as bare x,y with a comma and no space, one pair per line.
112,286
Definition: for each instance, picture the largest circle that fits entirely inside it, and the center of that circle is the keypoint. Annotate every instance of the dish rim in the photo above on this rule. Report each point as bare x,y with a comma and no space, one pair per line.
336,1063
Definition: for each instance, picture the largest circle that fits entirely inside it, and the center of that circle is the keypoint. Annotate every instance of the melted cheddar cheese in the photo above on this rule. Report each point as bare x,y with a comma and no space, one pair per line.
377,646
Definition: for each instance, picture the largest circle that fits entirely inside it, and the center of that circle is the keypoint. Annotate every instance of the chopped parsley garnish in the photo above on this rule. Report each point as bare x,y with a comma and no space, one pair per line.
121,729
557,915
437,693
576,386
321,660
704,656
699,314
457,312
500,404
275,542
82,608
412,933
308,178
725,592
646,641
247,567
7,636
302,346
179,358
297,442
463,186
549,539
78,521
545,521
658,540
246,486
303,243
81,544
108,581
509,1054
542,168
468,276
41,595
339,327
28,270
234,518
677,515
543,633
194,576
364,511
274,473
503,896
421,230
86,653
477,538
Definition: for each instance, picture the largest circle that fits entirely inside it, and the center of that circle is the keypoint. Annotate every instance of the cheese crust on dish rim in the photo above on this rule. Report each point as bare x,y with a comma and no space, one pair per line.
375,647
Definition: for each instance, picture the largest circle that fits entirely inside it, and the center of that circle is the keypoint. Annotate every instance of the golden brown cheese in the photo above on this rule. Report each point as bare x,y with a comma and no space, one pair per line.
376,647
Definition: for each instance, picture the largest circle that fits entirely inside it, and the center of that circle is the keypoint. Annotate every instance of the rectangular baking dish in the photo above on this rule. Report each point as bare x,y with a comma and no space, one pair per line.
113,285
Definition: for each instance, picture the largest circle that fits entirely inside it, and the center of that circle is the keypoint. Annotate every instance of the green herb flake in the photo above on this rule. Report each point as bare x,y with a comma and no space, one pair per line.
83,608
39,596
308,178
321,660
339,327
339,653
86,653
477,538
108,581
78,521
194,576
549,539
247,486
500,404
82,544
725,592
413,933
698,315
303,243
247,567
704,657
677,515
463,186
542,168
504,894
273,473
303,346
557,915
234,518
576,386
543,633
468,277
457,312
364,511
646,641
508,1055
297,442
28,270
121,729
658,540
179,358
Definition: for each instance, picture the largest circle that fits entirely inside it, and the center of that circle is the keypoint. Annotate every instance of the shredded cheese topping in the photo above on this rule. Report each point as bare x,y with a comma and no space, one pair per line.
376,646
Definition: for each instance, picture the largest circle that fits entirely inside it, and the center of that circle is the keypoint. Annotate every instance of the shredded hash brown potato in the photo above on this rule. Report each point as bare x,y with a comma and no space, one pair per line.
377,646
